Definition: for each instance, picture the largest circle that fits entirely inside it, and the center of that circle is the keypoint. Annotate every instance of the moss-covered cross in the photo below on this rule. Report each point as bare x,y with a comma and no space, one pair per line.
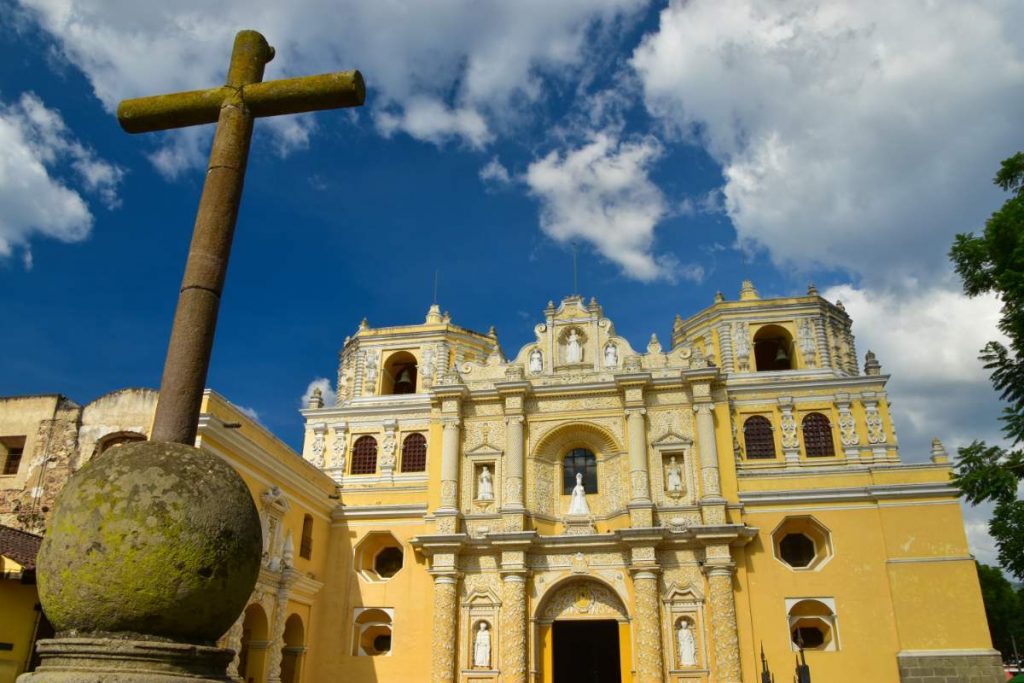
233,106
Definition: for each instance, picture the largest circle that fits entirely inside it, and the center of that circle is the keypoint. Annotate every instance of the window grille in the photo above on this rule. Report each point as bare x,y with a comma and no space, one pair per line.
818,436
364,455
414,453
758,438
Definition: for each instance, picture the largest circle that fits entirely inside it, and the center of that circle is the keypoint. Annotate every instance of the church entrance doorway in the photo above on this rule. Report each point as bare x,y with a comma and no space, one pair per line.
586,651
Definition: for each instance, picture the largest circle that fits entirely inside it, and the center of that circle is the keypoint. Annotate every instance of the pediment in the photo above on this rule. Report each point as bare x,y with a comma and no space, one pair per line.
670,440
484,449
683,593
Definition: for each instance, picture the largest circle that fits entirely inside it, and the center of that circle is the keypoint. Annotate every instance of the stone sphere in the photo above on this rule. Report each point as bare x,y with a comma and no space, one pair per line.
160,540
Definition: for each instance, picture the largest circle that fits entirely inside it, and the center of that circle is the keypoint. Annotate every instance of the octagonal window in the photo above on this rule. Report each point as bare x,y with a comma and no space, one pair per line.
388,562
812,624
802,543
379,556
796,550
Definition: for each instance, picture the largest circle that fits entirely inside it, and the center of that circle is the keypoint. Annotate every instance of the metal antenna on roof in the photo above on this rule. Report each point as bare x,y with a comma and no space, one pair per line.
434,302
575,282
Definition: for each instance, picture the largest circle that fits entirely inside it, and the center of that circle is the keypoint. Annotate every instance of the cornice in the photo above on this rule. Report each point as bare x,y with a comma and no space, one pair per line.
874,493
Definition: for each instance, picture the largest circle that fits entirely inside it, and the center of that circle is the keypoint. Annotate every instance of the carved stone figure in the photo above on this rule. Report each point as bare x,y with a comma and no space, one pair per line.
482,647
674,477
687,645
485,485
536,362
611,356
573,348
578,503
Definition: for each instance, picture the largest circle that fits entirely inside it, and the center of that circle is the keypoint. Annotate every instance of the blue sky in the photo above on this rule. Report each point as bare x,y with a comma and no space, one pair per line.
681,146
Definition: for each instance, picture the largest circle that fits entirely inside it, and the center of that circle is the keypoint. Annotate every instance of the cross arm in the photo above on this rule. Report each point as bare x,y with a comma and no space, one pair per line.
286,96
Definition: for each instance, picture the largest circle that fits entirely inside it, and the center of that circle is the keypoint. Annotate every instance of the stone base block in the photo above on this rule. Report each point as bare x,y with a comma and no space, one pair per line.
109,660
936,666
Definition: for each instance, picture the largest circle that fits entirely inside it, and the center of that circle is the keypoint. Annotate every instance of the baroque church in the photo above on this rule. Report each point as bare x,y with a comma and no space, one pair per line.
709,510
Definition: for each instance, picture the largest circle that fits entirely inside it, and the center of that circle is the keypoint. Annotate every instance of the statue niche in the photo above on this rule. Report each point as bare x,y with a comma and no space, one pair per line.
572,344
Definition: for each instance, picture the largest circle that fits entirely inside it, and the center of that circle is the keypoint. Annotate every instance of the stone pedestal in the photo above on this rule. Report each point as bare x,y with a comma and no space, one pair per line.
108,660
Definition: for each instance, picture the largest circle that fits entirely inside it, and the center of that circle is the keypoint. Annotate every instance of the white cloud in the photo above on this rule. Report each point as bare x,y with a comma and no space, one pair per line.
495,173
601,192
452,69
40,167
859,136
326,390
929,338
250,413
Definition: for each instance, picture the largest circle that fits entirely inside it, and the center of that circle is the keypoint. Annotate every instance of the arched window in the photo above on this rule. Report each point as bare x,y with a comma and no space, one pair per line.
812,625
306,546
414,453
579,460
364,455
773,348
758,438
817,436
399,374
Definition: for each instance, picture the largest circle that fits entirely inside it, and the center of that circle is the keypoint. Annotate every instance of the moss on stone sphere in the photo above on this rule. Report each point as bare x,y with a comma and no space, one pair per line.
160,540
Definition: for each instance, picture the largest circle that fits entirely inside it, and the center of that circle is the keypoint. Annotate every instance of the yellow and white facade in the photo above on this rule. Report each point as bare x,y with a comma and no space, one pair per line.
744,480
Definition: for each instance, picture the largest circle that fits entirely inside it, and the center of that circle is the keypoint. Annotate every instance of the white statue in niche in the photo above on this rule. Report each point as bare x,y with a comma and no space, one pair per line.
687,645
573,348
485,485
611,356
482,646
674,477
578,503
536,362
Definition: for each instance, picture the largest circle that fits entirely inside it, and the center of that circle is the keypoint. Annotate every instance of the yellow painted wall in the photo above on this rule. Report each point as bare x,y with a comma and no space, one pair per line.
17,626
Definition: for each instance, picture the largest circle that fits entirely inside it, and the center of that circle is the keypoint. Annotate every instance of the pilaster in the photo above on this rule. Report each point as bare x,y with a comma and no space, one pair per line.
513,511
641,508
719,569
447,513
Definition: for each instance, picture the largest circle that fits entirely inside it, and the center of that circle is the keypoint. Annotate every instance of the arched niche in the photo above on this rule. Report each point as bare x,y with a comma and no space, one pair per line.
255,639
579,597
546,460
773,349
400,374
293,649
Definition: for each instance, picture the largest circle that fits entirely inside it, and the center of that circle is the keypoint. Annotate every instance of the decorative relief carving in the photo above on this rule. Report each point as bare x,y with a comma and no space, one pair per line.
807,341
387,451
847,425
723,625
370,370
787,424
445,619
540,495
583,597
873,420
513,630
741,345
317,450
449,489
648,628
483,582
513,488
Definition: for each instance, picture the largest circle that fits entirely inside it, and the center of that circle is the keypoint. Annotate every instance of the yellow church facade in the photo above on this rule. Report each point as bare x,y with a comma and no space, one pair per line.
575,510
742,491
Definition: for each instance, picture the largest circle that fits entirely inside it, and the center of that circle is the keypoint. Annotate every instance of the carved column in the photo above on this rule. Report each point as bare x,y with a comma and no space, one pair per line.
233,641
447,514
648,627
723,621
712,485
274,653
445,634
513,628
514,462
640,490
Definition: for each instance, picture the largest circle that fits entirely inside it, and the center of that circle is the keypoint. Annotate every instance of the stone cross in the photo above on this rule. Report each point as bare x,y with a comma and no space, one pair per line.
233,107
